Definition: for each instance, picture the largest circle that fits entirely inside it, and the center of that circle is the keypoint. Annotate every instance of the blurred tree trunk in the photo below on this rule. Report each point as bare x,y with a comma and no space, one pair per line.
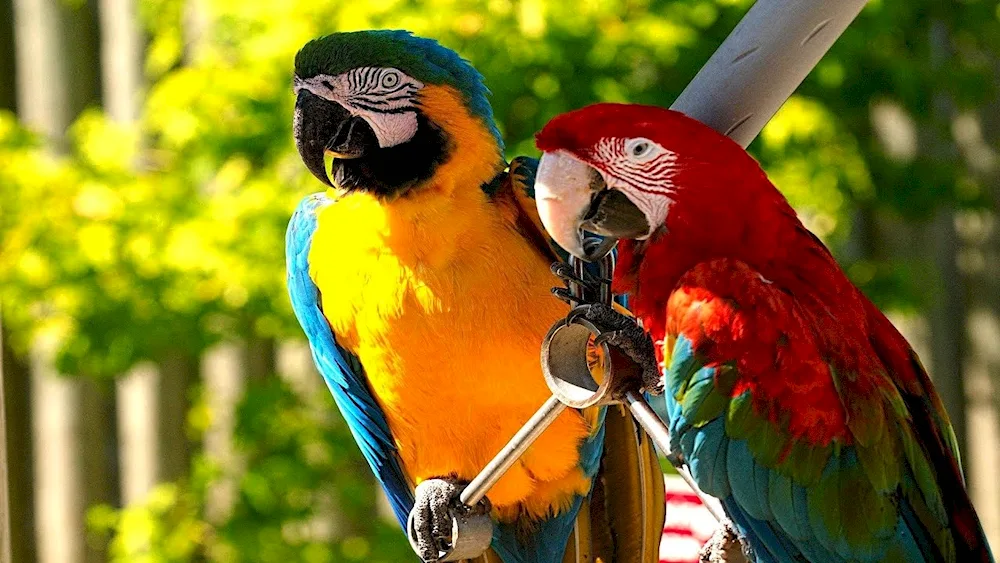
121,80
5,507
947,318
121,59
947,314
98,452
58,67
863,240
259,358
20,476
979,138
8,89
990,118
178,372
58,63
17,499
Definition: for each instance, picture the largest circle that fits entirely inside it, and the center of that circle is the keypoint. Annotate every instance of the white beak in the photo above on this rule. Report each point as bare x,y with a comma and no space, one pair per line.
564,186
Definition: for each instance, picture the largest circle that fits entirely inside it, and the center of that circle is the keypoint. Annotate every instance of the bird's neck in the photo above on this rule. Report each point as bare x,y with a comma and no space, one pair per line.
757,227
427,226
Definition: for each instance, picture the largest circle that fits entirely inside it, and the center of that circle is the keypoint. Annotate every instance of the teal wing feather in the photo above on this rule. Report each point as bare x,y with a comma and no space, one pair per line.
341,370
814,457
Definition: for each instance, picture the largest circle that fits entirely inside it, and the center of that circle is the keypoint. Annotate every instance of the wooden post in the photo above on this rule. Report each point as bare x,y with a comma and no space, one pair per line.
4,503
58,75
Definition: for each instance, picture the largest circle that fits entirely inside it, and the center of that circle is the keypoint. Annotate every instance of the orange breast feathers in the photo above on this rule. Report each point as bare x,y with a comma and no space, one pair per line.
446,305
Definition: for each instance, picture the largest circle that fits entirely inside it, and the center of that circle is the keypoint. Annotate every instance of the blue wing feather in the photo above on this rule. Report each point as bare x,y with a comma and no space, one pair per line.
769,546
775,514
339,368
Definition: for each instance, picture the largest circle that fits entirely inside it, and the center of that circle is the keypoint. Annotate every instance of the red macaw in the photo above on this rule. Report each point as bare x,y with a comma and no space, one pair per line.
790,396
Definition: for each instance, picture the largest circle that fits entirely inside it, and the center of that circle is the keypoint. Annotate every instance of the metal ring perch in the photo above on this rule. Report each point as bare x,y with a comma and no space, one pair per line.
566,371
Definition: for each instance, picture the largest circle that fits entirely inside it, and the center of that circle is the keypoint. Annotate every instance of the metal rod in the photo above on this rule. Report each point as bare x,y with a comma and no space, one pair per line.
657,432
515,448
647,418
762,62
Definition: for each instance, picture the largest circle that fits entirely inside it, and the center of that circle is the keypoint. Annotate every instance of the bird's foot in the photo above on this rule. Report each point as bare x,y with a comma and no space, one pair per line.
723,547
625,334
590,283
432,516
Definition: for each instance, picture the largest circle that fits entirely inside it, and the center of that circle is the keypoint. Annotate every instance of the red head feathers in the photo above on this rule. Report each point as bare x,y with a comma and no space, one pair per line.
648,173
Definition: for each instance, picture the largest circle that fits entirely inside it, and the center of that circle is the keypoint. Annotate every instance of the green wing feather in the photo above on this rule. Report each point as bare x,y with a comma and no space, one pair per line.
813,458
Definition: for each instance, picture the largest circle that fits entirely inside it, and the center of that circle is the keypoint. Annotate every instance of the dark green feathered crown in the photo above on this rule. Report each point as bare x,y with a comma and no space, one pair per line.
423,59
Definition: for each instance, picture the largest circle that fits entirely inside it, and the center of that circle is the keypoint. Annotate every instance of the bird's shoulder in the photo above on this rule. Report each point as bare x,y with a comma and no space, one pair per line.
513,192
800,357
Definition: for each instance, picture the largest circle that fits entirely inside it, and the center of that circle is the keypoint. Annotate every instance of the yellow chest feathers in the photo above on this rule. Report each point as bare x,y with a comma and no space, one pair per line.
446,305
408,275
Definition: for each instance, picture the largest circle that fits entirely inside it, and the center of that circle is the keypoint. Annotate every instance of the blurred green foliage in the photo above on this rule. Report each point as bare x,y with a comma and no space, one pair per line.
168,234
304,495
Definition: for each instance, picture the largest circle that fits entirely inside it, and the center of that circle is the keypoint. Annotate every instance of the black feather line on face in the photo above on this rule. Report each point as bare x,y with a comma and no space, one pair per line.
375,109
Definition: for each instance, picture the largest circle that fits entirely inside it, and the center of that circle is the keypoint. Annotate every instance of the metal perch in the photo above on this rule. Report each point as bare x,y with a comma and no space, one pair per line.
736,93
564,365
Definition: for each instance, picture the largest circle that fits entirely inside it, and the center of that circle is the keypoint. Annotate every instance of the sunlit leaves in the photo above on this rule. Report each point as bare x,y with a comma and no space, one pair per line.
815,163
168,234
176,223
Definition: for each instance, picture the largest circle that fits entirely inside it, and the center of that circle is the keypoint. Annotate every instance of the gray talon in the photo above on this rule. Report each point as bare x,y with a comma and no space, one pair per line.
566,296
566,273
724,547
630,338
435,501
432,521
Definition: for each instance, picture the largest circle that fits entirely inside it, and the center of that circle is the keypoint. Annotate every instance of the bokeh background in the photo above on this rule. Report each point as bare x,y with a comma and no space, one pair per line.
160,405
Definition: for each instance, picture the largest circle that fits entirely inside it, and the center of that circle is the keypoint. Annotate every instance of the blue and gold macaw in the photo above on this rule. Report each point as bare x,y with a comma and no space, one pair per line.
422,279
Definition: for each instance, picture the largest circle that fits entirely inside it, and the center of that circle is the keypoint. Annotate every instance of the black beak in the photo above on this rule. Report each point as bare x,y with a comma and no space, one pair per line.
612,214
322,126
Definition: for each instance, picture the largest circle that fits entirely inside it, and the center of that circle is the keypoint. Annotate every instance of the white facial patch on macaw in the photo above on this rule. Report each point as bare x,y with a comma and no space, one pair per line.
641,169
383,97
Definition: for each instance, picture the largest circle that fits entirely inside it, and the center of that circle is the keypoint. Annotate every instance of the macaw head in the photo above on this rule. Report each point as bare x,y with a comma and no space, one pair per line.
383,112
630,172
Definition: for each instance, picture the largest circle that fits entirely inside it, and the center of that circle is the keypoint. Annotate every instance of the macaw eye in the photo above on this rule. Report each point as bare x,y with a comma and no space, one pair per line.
641,149
390,80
